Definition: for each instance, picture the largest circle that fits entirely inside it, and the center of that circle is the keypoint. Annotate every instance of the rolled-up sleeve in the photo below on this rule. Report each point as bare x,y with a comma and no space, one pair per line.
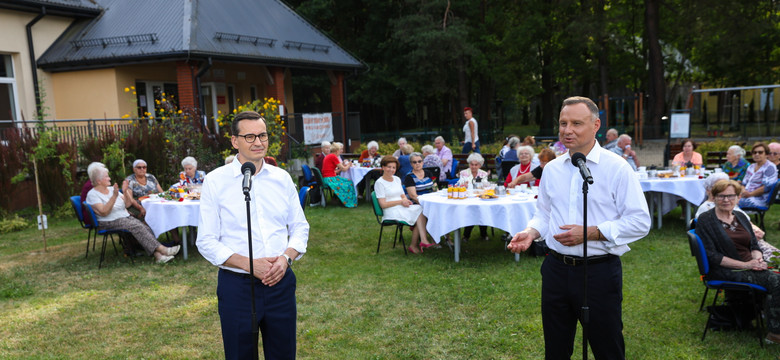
210,226
634,221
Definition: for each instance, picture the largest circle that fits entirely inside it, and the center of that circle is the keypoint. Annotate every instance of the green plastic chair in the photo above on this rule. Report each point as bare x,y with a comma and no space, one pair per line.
399,225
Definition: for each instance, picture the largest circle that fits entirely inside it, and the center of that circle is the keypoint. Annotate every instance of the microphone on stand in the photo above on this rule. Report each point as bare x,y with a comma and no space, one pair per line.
578,160
248,169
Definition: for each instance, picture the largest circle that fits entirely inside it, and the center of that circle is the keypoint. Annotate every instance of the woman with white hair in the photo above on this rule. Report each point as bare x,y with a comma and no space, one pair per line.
110,207
475,171
430,159
525,153
370,154
191,175
140,184
401,143
735,166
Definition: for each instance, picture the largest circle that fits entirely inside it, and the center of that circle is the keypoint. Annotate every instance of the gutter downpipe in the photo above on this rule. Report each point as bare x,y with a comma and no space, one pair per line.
200,97
33,62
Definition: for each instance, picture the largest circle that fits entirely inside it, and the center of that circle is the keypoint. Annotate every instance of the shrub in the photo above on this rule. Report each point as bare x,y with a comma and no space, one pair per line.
14,223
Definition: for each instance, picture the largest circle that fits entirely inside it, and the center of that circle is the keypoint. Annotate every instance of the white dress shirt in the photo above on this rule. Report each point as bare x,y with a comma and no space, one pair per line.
616,203
278,222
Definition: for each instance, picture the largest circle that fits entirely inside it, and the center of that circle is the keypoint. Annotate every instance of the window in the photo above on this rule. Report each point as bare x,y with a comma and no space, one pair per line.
9,107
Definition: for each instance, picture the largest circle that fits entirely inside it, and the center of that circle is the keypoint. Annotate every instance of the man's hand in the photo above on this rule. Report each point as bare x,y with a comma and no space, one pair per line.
276,271
521,241
571,237
261,267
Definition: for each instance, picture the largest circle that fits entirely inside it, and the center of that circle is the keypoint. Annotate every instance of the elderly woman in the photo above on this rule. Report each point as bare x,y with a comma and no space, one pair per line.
331,167
418,181
111,210
430,159
474,171
141,184
390,194
688,155
731,245
191,175
525,153
370,154
512,145
324,151
401,143
735,165
535,175
405,166
759,176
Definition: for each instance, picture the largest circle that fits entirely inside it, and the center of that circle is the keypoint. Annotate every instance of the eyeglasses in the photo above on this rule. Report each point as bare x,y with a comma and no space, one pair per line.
758,152
726,197
416,161
774,153
250,138
140,167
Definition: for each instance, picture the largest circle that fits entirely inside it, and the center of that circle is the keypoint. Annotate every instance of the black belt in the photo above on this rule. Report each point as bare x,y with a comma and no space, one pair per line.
578,260
233,273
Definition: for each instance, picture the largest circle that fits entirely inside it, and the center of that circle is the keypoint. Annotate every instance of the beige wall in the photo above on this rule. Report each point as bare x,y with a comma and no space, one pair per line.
89,94
14,41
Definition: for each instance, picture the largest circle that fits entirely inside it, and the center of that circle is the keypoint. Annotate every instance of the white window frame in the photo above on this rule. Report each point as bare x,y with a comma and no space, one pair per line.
14,90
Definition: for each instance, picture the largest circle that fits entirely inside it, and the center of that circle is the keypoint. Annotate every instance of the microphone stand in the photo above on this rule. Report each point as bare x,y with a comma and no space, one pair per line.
585,309
251,274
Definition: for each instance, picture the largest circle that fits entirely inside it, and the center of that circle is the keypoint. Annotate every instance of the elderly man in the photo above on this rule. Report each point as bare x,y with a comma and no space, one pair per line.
618,218
401,143
623,148
443,152
774,155
324,151
612,136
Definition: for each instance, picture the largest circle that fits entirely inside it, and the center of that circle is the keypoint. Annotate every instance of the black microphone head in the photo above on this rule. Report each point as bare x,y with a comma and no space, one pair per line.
577,157
248,166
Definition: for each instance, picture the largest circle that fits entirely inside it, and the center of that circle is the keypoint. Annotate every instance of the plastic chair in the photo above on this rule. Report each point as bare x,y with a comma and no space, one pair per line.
453,178
303,196
697,249
399,225
506,166
106,234
760,211
323,186
75,201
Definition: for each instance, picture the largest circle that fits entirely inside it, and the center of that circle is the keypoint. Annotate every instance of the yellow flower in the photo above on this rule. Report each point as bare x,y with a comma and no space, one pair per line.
133,92
179,111
163,94
234,111
162,118
129,121
219,111
132,87
127,89
166,140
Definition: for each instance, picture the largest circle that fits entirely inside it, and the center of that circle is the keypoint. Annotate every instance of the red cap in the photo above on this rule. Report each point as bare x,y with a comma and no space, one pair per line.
467,109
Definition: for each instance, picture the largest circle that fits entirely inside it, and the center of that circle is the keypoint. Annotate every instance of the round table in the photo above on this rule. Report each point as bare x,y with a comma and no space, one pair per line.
690,188
510,213
164,215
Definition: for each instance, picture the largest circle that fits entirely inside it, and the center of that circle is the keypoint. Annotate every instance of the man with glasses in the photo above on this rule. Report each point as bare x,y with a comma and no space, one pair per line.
774,155
279,235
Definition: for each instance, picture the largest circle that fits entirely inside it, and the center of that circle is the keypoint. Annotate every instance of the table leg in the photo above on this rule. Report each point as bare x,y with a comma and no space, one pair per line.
457,245
651,196
517,257
687,213
184,241
660,208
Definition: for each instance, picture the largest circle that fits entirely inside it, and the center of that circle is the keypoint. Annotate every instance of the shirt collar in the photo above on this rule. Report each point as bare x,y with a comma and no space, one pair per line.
594,155
236,166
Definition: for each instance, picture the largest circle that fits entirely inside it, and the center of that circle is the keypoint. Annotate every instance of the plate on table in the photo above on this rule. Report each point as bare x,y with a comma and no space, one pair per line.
488,198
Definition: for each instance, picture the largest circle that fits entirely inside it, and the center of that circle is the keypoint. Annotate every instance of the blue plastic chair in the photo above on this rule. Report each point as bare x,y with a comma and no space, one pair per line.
453,178
760,211
75,201
303,196
697,249
106,234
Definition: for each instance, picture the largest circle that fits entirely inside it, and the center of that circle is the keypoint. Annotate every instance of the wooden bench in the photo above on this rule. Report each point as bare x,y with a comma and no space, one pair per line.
716,159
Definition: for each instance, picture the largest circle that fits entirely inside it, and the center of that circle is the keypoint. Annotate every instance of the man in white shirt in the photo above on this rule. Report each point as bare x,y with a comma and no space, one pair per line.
617,216
279,235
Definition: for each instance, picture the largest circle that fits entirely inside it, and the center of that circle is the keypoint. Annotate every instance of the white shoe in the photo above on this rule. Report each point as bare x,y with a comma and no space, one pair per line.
173,250
164,259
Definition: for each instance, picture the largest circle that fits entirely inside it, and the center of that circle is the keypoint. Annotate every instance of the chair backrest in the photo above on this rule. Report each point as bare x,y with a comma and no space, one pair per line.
91,213
318,178
75,201
377,209
435,171
505,167
773,195
454,169
307,176
697,249
303,195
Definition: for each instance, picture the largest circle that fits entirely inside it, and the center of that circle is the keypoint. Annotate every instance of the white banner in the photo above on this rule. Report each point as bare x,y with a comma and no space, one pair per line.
317,128
680,127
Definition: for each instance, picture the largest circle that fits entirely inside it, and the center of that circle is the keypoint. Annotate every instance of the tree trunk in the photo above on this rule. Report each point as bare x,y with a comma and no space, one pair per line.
656,84
546,127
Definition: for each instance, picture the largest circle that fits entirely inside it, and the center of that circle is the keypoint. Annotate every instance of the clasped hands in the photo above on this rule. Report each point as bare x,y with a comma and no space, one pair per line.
270,270
756,264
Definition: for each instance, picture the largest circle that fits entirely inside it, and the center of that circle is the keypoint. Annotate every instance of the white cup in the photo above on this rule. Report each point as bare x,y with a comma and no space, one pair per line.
718,170
523,187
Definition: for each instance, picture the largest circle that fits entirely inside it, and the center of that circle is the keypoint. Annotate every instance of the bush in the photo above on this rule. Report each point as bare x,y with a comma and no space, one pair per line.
12,224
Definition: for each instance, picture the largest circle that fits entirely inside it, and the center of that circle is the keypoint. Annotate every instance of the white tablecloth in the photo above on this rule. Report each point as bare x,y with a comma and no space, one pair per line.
510,213
163,216
355,174
666,192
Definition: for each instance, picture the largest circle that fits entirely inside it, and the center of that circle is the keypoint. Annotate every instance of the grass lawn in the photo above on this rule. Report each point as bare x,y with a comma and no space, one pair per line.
352,302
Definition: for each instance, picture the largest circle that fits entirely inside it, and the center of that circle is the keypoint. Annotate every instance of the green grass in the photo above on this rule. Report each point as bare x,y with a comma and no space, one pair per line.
352,303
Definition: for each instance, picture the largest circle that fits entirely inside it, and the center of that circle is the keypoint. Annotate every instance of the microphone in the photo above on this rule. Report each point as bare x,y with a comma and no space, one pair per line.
578,160
248,169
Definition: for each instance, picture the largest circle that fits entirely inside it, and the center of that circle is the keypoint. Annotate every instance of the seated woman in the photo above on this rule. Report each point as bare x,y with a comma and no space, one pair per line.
766,248
525,153
141,184
370,154
507,153
535,175
688,155
430,159
731,245
475,171
735,165
191,175
418,181
396,206
404,166
759,176
111,211
333,166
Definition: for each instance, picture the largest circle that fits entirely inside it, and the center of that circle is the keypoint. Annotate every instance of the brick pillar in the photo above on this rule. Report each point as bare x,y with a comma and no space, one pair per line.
337,100
185,79
276,89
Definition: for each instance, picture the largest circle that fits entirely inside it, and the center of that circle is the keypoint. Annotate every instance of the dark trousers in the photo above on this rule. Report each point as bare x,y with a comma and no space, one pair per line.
562,289
468,149
276,315
467,231
371,175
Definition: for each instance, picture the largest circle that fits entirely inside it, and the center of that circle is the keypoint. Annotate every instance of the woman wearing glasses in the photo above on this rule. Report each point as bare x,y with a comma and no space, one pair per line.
331,167
760,176
142,184
735,165
731,245
418,181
